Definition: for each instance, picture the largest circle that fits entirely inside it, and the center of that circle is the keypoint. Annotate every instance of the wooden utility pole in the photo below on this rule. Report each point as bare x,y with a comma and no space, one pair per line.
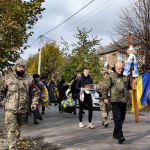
39,66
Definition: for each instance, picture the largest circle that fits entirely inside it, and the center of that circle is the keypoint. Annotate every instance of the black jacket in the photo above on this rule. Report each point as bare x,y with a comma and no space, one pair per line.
74,91
62,92
84,81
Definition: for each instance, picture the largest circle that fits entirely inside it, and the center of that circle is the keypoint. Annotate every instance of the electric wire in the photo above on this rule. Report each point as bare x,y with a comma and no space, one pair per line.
90,18
69,17
81,18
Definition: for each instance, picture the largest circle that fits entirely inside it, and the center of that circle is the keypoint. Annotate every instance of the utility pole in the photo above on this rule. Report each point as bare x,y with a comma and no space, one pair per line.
39,66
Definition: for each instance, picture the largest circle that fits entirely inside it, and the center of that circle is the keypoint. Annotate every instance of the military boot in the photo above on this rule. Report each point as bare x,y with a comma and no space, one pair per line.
111,116
35,121
104,122
26,120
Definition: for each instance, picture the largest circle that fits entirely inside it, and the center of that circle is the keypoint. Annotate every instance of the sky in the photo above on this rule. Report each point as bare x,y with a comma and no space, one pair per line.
100,15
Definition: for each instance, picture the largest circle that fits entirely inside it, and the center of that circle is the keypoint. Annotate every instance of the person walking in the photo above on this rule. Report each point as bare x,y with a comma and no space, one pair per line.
42,92
105,108
75,92
119,85
77,73
62,88
85,79
44,82
15,89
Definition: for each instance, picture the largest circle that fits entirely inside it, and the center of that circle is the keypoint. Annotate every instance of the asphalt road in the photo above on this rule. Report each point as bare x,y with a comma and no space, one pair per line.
62,131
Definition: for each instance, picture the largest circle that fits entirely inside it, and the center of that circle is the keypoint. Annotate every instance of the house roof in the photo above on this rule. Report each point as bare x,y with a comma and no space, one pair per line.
120,44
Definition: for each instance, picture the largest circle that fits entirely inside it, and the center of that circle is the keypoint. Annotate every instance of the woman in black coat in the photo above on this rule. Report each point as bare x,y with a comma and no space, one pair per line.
62,88
75,92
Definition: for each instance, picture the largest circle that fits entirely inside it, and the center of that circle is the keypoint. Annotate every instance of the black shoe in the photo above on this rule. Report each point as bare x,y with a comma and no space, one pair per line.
55,104
106,125
35,122
74,113
115,137
121,140
43,113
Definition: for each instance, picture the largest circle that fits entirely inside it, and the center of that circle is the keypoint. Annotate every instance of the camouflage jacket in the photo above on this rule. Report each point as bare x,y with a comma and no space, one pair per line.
15,91
99,89
119,86
42,90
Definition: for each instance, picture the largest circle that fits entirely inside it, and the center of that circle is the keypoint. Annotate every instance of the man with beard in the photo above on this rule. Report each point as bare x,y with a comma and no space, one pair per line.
42,91
15,90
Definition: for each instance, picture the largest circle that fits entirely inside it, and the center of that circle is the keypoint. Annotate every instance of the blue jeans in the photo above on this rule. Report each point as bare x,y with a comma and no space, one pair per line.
75,100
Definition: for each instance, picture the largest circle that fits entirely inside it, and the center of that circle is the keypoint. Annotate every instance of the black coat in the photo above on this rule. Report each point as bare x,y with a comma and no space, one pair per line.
62,92
81,82
74,91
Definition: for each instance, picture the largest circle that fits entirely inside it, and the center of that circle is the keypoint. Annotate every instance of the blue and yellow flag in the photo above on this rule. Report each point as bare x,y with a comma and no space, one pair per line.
143,90
46,99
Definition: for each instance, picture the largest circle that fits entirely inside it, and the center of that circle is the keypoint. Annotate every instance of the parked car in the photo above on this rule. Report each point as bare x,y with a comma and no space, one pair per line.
95,98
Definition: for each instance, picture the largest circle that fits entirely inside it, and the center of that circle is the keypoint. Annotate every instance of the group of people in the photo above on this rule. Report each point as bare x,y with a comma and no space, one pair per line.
19,88
114,94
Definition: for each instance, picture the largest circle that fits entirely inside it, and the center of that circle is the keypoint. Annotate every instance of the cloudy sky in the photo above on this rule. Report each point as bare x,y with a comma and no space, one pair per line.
100,15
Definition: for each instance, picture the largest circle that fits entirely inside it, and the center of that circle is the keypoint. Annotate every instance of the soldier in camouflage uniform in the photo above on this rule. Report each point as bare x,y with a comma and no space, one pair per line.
42,92
119,86
15,91
105,108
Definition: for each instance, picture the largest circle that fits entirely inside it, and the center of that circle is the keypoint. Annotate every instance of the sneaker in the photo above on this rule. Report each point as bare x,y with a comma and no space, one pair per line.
91,126
81,125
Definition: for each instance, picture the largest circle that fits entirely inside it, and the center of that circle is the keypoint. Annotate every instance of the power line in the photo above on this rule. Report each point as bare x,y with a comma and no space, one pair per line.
90,18
81,18
69,17
34,42
51,39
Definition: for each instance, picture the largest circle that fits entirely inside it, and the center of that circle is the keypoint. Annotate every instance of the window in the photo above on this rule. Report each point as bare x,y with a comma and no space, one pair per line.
104,61
138,58
121,57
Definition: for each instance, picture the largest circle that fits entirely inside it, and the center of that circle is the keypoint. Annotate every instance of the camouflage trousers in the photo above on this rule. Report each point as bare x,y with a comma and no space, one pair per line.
13,124
105,108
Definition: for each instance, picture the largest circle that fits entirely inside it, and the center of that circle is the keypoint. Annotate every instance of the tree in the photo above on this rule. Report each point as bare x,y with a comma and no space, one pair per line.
17,17
51,59
32,64
135,19
83,55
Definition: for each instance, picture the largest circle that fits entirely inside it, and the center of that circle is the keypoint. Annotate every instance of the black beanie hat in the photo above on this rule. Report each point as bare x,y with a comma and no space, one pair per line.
42,77
62,81
36,76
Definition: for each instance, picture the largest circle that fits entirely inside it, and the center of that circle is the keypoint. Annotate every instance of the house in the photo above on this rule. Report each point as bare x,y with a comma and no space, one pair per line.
117,52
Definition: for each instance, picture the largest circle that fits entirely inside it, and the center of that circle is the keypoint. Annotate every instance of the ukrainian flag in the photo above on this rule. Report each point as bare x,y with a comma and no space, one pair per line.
46,99
143,90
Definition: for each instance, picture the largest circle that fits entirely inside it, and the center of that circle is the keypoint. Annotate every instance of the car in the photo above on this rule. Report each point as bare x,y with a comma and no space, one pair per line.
95,99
